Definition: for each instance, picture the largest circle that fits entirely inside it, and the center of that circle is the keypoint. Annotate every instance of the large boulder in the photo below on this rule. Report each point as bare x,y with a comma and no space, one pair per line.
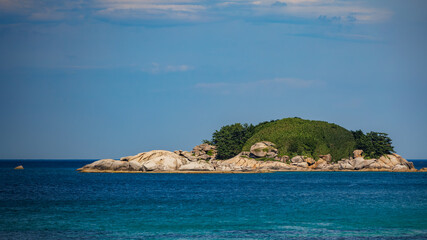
263,149
327,157
204,151
400,168
357,153
157,160
297,159
360,163
103,164
240,163
160,160
345,165
200,152
301,164
377,164
188,155
319,164
113,165
391,160
409,165
197,166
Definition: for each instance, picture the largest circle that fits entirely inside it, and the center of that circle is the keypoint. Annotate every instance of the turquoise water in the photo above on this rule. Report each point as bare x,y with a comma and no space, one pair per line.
50,200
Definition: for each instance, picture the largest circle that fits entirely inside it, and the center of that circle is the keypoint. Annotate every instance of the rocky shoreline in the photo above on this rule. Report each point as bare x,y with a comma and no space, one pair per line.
262,158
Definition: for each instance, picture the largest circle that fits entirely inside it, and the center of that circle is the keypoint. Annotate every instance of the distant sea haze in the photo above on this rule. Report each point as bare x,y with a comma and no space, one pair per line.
49,199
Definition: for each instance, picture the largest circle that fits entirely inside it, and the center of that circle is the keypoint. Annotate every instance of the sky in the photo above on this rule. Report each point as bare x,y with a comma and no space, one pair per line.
110,78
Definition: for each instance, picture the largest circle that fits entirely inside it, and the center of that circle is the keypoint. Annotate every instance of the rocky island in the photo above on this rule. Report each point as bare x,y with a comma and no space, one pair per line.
290,144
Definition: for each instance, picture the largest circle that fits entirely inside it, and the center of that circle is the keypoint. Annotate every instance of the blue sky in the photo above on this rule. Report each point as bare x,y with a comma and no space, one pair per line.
111,78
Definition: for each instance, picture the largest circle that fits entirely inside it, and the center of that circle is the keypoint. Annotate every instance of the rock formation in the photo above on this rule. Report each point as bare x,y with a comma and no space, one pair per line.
197,166
200,152
262,157
263,149
20,167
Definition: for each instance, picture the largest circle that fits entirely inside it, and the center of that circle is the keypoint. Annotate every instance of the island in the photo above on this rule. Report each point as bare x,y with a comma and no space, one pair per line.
289,144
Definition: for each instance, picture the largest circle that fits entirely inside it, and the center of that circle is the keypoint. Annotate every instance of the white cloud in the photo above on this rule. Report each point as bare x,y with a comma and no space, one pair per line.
158,68
150,9
343,11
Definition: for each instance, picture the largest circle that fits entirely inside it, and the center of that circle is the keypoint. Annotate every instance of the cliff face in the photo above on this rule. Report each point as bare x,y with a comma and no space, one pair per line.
255,161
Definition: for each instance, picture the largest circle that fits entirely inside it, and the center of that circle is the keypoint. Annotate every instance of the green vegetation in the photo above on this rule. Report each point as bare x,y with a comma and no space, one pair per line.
373,144
296,136
229,139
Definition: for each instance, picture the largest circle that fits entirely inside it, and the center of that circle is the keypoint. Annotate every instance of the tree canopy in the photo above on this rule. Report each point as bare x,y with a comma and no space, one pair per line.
296,136
373,144
229,139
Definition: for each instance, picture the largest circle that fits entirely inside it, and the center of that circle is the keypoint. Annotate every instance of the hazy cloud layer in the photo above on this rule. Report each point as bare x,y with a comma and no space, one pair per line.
170,11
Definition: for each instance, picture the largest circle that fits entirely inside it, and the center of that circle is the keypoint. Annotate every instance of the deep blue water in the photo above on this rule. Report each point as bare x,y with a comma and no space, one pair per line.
50,200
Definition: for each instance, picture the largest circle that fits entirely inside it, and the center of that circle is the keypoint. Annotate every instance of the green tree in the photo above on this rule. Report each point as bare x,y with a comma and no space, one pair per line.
229,139
373,144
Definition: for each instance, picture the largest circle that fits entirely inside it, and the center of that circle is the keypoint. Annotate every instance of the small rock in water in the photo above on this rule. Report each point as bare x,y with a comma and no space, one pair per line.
20,167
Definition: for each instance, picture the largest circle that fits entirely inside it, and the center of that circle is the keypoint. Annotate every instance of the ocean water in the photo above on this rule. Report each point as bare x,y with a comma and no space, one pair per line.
51,200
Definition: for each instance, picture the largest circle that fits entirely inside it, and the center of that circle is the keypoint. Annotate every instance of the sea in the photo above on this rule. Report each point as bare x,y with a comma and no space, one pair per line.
49,199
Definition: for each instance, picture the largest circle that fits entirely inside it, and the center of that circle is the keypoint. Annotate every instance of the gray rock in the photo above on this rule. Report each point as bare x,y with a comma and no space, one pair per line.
297,159
357,153
197,166
204,152
301,164
159,160
283,159
327,157
263,149
400,167
360,163
189,156
345,165
320,164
